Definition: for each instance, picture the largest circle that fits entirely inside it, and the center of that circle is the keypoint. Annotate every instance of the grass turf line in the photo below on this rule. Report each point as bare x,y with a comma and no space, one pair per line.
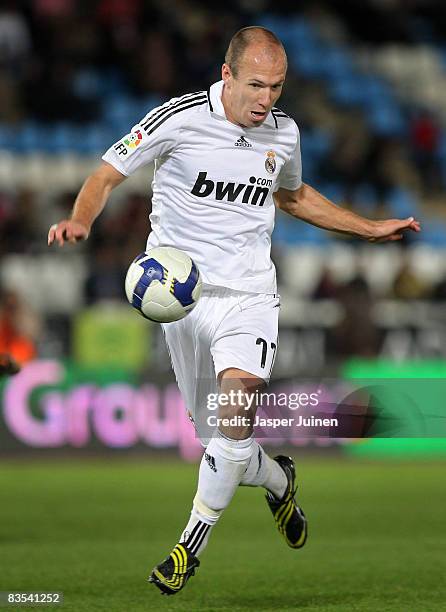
94,530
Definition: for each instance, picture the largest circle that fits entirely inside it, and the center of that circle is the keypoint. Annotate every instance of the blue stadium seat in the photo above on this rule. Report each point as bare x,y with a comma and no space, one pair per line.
146,104
315,145
333,191
338,64
386,120
112,83
309,234
365,199
316,142
346,92
87,83
402,203
61,138
95,139
433,233
376,92
361,90
6,138
30,137
310,62
302,29
289,232
295,33
121,113
310,167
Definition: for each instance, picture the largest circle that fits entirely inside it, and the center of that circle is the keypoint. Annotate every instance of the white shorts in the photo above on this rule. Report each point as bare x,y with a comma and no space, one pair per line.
226,329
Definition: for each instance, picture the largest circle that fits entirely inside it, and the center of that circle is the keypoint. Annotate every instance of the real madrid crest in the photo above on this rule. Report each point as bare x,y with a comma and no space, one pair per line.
270,162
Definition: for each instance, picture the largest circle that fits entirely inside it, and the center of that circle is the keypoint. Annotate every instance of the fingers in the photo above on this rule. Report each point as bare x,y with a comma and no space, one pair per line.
52,233
412,224
407,224
60,233
69,235
391,230
65,231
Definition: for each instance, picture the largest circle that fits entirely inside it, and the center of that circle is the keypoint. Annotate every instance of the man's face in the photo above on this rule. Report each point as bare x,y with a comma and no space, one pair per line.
249,96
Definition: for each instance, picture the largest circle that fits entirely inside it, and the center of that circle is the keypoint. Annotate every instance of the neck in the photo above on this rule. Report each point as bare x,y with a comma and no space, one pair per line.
225,100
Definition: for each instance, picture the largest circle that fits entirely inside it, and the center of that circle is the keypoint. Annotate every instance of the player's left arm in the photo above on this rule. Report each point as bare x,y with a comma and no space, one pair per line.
311,206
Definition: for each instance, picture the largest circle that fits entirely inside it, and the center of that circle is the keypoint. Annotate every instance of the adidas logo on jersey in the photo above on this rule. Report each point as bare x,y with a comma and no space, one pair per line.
255,193
242,142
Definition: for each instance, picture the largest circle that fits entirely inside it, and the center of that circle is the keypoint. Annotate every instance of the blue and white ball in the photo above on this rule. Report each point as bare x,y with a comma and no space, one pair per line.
163,284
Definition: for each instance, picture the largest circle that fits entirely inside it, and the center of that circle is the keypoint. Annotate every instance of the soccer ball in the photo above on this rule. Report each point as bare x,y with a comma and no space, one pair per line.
163,284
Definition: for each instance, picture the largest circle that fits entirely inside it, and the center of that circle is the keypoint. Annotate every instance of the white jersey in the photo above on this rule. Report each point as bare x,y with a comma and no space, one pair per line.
213,184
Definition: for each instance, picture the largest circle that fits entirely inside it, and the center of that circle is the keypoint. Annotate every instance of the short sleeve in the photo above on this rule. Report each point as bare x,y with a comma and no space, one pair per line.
148,140
290,176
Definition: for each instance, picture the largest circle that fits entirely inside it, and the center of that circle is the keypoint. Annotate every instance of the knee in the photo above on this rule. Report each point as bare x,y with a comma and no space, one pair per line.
237,451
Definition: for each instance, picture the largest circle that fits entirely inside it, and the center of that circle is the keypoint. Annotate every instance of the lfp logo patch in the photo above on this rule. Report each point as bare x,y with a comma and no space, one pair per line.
133,139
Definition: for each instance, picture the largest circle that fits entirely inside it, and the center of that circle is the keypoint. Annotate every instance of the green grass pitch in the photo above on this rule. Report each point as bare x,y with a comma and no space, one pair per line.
94,529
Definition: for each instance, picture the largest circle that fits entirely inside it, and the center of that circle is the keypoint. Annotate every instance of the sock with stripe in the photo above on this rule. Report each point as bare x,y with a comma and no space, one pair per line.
221,469
262,471
196,534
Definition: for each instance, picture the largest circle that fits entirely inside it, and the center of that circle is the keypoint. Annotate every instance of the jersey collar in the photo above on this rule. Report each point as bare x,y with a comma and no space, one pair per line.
216,105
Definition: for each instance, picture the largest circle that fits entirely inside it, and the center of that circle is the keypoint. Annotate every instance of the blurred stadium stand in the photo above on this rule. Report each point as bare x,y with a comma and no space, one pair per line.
367,88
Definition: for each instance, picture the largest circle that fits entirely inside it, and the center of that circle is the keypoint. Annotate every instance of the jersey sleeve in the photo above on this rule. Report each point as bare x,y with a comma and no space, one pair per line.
148,140
290,176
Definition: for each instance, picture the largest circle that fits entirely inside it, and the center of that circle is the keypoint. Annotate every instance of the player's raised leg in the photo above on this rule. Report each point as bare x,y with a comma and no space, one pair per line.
289,517
277,476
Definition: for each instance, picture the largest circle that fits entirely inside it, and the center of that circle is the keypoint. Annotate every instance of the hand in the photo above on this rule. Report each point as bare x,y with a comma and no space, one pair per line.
67,231
392,229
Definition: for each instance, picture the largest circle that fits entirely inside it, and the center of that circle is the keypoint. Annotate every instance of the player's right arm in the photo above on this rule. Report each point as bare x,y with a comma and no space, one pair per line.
88,205
154,137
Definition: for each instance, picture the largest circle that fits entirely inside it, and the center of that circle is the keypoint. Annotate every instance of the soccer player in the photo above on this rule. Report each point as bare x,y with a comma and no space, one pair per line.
224,158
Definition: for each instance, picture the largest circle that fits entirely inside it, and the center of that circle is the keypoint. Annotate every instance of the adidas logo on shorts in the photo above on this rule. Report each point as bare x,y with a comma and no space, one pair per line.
242,142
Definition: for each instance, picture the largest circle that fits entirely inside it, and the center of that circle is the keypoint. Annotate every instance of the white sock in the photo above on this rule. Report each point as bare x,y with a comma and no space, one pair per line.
196,533
221,469
264,472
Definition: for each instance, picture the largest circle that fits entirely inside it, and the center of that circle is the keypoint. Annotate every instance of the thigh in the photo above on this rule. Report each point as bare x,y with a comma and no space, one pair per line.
247,338
188,344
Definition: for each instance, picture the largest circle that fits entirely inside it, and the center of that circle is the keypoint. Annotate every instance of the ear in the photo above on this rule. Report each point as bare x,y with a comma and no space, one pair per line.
226,73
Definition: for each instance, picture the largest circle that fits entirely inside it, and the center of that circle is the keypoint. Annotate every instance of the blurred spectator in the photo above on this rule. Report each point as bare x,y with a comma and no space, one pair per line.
155,65
327,288
348,158
438,292
115,12
356,334
122,23
107,275
53,9
8,366
17,221
10,108
19,328
50,95
15,39
425,138
119,236
407,285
